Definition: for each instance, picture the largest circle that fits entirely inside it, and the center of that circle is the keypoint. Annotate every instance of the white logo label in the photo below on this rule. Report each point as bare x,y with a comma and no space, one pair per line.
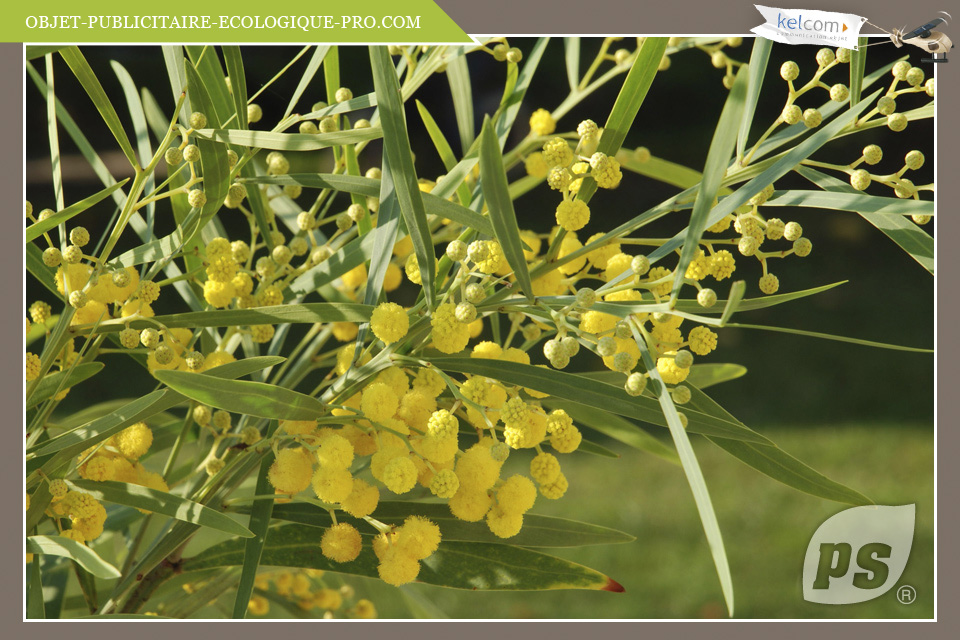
858,554
799,26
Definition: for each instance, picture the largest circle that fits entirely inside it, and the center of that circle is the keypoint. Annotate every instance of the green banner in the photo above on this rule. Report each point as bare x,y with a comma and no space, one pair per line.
234,21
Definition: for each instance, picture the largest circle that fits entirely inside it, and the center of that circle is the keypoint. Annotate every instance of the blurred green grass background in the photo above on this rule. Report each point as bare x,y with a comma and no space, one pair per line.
667,572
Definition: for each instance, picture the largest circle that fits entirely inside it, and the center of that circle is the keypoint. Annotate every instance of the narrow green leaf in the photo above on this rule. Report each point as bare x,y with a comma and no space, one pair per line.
353,104
214,162
76,551
43,273
396,147
168,504
589,393
289,141
538,531
279,314
388,228
493,179
691,469
458,75
445,152
703,376
627,105
35,607
35,51
851,201
241,396
571,57
261,513
238,82
473,566
312,67
828,336
718,157
517,90
909,236
616,427
758,69
858,65
56,382
37,229
81,69
733,302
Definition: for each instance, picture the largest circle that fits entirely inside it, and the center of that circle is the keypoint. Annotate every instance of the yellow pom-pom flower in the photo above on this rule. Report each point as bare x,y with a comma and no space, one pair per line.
341,542
292,471
573,215
389,322
379,402
542,123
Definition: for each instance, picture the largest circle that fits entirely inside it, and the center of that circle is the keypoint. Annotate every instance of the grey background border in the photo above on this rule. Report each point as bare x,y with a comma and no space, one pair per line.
546,17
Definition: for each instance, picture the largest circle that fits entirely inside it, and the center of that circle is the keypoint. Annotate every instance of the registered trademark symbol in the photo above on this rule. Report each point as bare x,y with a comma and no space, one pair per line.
906,594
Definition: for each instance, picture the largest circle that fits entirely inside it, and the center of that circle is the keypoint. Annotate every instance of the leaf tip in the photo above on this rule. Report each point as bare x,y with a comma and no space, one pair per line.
613,586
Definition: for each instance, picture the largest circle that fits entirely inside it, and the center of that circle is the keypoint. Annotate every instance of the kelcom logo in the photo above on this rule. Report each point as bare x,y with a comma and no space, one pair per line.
858,554
799,24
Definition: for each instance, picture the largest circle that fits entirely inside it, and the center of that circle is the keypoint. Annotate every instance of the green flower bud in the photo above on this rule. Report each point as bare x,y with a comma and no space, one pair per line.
514,55
344,222
214,466
914,160
622,362
775,227
52,257
201,415
343,94
362,123
789,71
465,312
173,156
812,117
905,189
839,93
843,55
560,361
622,330
194,360
198,120
872,154
478,251
706,298
886,105
769,284
308,127
500,452
860,179
475,293
356,212
640,265
531,332
825,57
791,114
250,435
163,354
570,346
900,70
718,59
254,113
682,394
281,254
191,153
636,383
621,55
232,158
78,299
72,254
500,52
306,221
929,87
551,349
802,247
196,198
457,250
373,173
606,346
221,420
792,231
748,245
130,338
79,236
897,122
586,297
683,359
914,77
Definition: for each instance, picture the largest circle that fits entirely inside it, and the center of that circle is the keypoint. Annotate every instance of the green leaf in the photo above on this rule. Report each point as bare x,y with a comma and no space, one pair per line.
828,336
691,469
589,393
847,201
703,376
733,302
615,427
38,51
37,229
458,75
718,157
516,91
241,396
571,57
386,233
76,551
758,69
289,141
213,157
472,566
909,236
312,67
81,69
396,148
35,602
493,179
309,313
238,82
627,105
537,531
260,515
858,65
56,382
168,504
43,273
